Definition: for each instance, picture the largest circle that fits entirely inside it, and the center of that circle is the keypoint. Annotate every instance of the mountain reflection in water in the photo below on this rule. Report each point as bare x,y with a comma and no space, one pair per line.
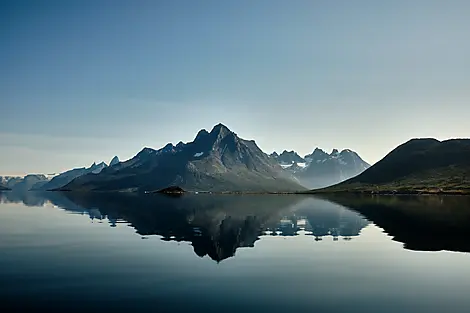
215,225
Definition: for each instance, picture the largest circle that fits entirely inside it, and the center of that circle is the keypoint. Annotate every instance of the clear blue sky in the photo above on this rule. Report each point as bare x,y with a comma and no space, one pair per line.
82,81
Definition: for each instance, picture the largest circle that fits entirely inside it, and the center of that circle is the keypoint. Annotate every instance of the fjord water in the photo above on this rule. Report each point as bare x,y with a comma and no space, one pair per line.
206,253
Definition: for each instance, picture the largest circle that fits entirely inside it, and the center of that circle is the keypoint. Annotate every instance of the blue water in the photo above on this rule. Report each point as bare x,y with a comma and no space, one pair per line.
224,254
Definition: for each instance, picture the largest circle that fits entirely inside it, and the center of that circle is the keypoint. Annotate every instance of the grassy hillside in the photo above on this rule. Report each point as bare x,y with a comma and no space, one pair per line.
418,166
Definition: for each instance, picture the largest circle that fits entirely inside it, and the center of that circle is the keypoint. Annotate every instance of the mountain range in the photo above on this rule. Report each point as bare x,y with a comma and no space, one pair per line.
419,165
66,177
48,182
320,169
218,160
25,183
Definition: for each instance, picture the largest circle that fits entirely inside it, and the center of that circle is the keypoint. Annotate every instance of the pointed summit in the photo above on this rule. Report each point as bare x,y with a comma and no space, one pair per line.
290,157
219,127
317,154
221,130
201,135
114,161
167,148
96,168
335,151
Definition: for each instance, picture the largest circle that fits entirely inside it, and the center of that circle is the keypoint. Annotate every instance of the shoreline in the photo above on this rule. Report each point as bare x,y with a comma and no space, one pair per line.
393,192
305,193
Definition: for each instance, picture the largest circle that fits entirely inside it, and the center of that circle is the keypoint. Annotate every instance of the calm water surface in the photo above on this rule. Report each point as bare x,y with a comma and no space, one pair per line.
68,252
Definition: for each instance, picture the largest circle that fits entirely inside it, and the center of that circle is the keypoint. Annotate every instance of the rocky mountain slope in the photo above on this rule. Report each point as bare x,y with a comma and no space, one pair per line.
215,161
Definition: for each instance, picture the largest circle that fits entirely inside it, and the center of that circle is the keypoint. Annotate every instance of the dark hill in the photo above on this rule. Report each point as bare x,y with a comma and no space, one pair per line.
426,165
171,190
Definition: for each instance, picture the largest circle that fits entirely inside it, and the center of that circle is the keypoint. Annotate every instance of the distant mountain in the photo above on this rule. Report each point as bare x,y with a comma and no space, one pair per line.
9,181
287,158
417,165
215,161
320,169
23,183
66,177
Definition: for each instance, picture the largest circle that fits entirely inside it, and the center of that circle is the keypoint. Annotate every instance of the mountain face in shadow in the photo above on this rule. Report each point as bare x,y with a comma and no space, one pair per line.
218,160
422,223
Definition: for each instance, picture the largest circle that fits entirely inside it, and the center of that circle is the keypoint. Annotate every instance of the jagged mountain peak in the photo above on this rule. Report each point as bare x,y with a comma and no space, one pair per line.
288,152
218,160
167,148
145,151
99,165
114,161
221,131
317,154
96,168
289,157
322,169
220,127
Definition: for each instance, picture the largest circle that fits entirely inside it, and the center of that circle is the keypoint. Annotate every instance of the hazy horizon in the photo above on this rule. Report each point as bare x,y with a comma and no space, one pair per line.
84,81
